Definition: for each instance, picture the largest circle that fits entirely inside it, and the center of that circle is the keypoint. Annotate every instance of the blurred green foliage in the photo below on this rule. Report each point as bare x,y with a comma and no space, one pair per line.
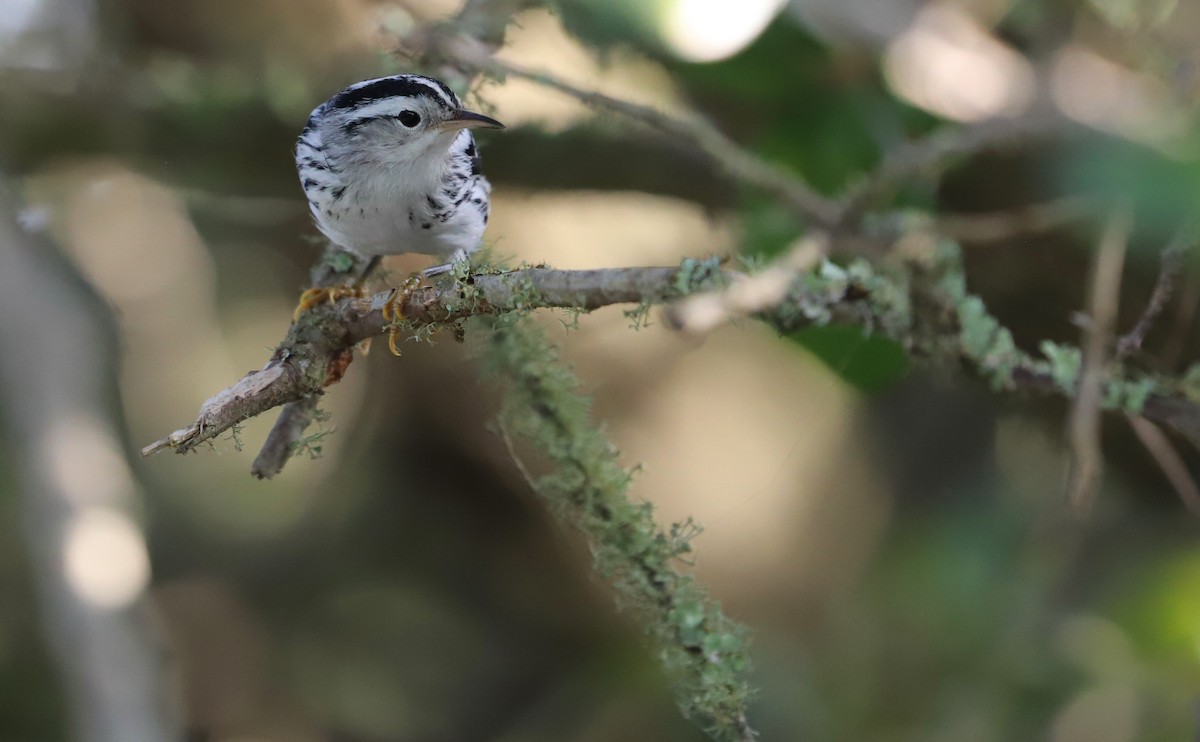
867,362
1163,188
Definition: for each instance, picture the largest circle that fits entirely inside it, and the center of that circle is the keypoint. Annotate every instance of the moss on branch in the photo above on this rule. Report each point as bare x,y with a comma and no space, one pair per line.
702,651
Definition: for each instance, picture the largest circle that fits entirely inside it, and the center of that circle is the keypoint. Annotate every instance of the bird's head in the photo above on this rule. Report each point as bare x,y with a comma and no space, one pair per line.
397,120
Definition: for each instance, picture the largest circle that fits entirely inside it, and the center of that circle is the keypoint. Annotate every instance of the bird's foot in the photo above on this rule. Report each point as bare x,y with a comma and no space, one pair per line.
393,310
456,257
317,295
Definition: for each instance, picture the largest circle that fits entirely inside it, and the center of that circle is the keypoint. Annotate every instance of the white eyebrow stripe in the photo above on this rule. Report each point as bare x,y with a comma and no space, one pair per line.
381,107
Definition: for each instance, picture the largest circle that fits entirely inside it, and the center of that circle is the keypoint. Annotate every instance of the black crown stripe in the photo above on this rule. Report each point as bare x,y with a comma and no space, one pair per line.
401,86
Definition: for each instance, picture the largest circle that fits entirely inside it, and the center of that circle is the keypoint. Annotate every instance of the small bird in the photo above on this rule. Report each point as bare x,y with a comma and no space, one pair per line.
390,166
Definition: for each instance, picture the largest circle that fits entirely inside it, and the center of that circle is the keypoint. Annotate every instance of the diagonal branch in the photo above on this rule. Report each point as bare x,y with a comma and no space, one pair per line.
937,151
446,46
474,58
1172,465
703,652
1170,265
320,345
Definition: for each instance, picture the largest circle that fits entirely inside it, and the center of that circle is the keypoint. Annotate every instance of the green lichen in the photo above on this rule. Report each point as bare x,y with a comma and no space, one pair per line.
698,274
235,435
1129,396
639,316
887,299
1189,383
340,261
312,445
1063,364
854,294
524,296
702,651
987,343
570,318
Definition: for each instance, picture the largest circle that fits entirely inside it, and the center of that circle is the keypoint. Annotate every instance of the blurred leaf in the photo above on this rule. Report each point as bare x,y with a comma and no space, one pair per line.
782,61
1161,607
1132,14
1164,191
824,141
786,97
608,23
767,227
869,362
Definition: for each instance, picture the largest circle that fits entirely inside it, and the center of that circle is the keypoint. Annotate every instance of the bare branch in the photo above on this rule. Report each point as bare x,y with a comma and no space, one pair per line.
1083,478
1169,461
1181,324
446,47
936,152
1005,225
739,163
1170,265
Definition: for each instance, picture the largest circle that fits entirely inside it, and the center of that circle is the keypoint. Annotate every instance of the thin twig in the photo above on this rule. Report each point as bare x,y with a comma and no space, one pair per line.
446,46
1084,473
1169,461
518,462
1004,225
1170,265
737,162
1182,323
934,153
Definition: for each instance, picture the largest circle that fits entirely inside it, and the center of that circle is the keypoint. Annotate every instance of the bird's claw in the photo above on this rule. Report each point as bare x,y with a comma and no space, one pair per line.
318,295
393,308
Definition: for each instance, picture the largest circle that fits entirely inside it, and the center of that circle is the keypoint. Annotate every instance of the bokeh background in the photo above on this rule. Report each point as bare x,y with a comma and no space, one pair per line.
896,538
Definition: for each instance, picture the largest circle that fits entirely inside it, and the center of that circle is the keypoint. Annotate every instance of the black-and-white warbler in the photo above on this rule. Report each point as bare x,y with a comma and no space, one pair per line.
389,166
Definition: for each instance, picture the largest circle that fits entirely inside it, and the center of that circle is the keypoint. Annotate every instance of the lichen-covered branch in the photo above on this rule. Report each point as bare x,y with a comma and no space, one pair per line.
746,295
702,651
922,304
320,345
925,306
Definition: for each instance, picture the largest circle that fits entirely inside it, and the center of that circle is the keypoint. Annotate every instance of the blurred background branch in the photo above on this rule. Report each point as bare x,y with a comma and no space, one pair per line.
1087,460
78,498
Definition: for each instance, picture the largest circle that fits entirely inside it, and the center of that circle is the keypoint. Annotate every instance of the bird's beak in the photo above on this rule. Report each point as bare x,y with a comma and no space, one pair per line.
470,120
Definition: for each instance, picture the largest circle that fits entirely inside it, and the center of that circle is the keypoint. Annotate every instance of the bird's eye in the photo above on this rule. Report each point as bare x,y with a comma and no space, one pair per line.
409,118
